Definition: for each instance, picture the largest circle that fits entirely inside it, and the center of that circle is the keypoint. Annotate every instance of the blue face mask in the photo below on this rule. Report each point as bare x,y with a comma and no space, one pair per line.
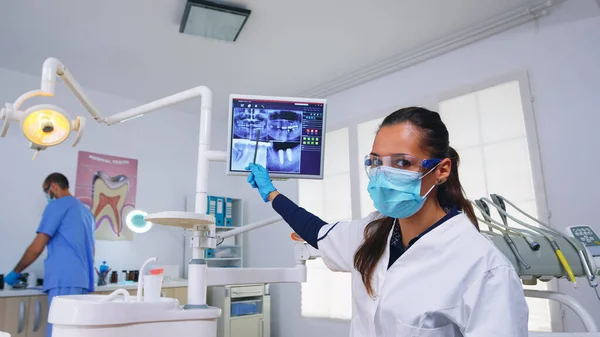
49,199
397,193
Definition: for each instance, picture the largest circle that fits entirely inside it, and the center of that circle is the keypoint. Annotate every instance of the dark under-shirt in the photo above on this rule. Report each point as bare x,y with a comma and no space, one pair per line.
308,225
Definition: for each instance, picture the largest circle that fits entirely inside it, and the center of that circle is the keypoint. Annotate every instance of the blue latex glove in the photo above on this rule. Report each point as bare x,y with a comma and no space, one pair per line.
259,178
12,278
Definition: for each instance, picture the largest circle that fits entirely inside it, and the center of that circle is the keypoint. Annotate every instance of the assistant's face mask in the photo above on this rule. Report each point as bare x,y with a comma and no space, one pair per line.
49,198
396,192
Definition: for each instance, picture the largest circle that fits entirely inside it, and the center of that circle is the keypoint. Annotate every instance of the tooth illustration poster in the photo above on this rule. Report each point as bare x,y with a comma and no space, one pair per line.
107,185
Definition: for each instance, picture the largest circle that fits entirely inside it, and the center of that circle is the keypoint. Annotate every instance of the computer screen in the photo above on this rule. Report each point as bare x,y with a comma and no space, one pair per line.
285,135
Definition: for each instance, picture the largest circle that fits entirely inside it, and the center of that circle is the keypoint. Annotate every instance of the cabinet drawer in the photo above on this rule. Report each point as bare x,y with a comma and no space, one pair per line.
249,326
37,320
13,315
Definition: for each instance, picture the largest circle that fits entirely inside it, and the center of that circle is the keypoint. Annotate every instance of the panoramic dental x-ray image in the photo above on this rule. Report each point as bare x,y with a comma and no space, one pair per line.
278,132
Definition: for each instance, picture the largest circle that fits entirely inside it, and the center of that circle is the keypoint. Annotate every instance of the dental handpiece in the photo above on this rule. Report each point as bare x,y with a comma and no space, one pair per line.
256,147
533,244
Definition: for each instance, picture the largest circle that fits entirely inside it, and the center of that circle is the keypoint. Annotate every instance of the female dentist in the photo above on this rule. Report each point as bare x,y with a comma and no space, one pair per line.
419,265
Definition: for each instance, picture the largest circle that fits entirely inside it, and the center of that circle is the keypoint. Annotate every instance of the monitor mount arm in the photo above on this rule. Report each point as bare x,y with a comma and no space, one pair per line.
224,276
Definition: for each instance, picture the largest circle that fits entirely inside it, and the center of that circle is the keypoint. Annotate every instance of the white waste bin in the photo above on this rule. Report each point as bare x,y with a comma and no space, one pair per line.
118,316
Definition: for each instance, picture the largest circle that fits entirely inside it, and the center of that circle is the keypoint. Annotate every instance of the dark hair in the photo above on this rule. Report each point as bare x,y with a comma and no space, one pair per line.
57,178
434,141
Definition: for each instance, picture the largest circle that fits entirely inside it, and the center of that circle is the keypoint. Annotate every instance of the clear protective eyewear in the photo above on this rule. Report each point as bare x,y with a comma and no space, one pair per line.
399,161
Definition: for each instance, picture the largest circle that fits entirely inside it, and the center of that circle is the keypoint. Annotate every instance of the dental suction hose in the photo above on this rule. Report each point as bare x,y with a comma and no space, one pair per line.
515,251
485,211
534,245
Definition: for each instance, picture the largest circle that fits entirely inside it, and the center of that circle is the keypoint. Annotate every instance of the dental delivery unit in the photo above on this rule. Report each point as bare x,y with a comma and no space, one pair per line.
537,251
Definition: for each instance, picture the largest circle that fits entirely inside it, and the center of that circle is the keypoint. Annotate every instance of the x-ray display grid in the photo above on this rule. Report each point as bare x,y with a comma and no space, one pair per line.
290,137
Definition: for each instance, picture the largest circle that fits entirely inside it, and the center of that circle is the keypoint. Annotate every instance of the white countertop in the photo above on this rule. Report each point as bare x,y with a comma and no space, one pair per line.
7,292
19,292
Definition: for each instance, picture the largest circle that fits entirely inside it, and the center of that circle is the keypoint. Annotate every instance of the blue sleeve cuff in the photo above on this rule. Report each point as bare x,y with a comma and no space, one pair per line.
304,223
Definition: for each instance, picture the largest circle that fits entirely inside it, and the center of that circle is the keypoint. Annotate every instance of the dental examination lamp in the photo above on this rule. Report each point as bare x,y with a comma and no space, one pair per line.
48,125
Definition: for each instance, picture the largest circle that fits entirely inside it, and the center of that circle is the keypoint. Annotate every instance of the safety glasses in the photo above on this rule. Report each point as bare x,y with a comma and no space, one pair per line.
399,161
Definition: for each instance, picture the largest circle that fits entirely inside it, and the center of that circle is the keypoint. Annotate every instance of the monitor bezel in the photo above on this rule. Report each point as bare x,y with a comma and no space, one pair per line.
284,99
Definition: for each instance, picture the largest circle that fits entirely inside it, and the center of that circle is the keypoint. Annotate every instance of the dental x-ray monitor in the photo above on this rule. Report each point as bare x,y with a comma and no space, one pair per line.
285,135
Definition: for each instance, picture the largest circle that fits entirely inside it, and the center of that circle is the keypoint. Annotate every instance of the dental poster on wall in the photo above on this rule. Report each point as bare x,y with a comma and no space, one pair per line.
107,185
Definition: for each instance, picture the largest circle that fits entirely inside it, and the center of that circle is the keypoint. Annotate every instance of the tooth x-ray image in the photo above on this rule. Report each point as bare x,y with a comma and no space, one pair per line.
279,141
242,153
278,125
284,157
284,126
247,122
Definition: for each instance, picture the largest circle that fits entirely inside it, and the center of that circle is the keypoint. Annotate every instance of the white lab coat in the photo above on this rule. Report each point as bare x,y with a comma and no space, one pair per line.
451,282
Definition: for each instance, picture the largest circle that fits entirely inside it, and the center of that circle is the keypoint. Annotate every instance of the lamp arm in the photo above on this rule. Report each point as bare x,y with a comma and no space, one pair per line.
201,91
81,96
34,93
54,67
248,228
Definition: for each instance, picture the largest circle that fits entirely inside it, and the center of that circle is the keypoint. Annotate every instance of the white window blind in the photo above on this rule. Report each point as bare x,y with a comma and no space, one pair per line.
365,136
327,294
487,128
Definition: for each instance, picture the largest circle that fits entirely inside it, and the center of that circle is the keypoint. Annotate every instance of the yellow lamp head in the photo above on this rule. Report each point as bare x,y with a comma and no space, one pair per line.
46,125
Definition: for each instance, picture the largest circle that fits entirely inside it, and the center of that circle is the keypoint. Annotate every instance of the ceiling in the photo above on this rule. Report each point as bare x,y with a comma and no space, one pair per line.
133,48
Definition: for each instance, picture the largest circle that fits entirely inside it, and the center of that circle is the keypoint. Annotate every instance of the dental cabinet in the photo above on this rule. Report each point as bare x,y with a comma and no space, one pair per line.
246,310
24,316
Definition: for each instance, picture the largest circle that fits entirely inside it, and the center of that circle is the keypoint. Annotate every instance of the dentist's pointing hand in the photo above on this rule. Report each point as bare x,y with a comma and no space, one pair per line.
259,178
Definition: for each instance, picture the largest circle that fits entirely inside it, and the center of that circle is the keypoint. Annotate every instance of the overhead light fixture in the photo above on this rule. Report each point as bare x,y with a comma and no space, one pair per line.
213,20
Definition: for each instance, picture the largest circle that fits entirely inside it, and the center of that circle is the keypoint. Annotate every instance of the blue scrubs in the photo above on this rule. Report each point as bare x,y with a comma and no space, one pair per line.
69,267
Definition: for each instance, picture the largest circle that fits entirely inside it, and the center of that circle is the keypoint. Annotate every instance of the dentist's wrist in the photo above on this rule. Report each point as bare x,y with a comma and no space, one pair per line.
272,195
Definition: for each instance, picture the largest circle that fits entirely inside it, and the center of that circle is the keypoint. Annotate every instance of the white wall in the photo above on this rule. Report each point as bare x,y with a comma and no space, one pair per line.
561,54
165,144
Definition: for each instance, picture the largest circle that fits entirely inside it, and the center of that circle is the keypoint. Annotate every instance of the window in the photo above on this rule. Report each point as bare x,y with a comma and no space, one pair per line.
327,294
365,135
487,128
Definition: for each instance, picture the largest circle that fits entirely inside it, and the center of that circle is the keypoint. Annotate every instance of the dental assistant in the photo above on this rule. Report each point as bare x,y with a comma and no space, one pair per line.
67,229
419,265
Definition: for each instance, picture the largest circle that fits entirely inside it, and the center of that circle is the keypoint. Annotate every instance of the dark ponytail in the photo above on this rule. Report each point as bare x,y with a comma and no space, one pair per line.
434,140
452,193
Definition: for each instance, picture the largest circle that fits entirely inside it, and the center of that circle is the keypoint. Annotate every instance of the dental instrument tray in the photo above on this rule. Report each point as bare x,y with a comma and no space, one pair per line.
186,220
